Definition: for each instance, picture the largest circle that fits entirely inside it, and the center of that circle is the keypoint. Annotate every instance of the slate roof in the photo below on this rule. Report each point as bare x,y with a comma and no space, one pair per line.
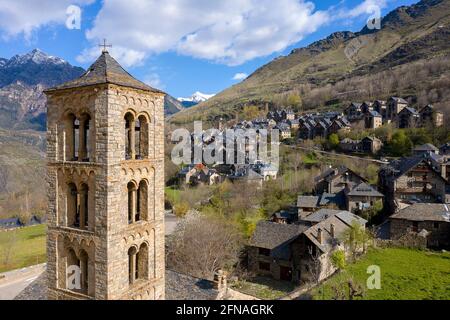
426,147
105,70
424,212
342,221
270,235
410,110
284,214
327,199
399,167
321,215
374,114
371,138
331,173
445,149
307,201
401,100
363,189
184,287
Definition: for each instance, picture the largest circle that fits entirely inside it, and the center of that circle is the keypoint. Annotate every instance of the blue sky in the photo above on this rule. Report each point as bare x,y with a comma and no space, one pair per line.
180,46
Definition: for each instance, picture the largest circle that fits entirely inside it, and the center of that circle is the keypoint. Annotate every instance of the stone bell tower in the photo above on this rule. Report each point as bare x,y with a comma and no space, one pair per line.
105,181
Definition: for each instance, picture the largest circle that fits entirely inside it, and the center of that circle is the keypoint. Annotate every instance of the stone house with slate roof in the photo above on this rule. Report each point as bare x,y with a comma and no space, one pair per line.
362,197
371,145
380,107
335,180
306,131
425,149
373,120
269,252
394,106
408,118
430,117
307,204
353,110
411,179
283,251
434,218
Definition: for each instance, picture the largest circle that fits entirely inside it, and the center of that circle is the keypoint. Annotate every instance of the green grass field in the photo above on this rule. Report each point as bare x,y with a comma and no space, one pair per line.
405,275
22,247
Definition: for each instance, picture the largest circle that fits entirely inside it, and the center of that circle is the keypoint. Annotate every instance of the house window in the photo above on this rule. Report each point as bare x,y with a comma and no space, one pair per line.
264,266
264,252
436,225
415,226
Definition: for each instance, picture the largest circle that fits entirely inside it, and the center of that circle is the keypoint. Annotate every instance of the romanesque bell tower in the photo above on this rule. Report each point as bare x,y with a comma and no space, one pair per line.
105,181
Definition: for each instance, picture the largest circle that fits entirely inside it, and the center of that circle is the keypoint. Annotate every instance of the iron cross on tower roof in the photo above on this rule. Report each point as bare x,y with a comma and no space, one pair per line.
105,46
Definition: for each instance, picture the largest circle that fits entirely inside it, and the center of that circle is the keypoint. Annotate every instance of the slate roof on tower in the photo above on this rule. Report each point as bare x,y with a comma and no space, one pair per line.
105,70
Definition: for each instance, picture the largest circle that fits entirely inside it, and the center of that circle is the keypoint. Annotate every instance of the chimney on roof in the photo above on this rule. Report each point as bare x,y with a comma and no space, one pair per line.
320,235
332,230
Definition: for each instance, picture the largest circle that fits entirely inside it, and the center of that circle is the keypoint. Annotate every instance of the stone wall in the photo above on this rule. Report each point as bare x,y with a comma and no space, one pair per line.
439,232
109,235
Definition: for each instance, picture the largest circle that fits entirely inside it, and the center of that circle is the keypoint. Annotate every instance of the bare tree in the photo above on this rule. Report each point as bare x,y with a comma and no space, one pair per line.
202,245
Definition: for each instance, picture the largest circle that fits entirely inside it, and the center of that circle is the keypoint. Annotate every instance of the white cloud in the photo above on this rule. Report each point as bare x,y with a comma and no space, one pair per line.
230,32
126,57
23,17
154,81
364,8
240,76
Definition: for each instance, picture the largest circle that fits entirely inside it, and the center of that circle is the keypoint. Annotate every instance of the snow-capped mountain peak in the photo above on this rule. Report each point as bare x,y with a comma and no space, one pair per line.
3,62
197,97
36,56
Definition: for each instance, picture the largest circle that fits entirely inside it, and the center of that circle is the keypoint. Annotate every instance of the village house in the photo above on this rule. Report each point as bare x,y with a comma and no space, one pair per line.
318,216
408,118
321,129
425,149
288,114
298,252
366,107
269,252
248,176
380,106
340,124
412,179
335,180
285,217
433,218
445,149
349,145
285,130
371,145
353,111
307,204
199,174
294,124
430,117
267,170
394,106
373,120
306,131
362,197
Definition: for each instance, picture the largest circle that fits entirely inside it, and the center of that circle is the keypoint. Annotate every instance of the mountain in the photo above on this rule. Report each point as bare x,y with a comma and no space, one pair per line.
25,76
172,105
195,99
22,80
36,67
323,72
